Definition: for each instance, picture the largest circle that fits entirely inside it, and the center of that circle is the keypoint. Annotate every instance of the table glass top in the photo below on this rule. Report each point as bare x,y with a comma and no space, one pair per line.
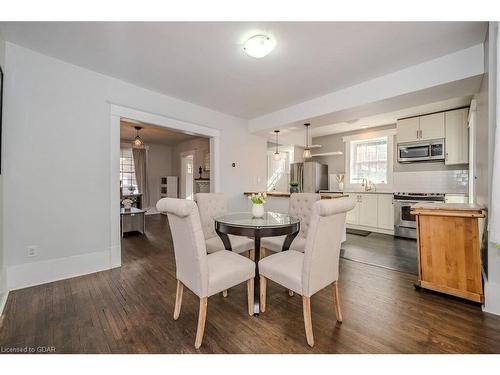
246,219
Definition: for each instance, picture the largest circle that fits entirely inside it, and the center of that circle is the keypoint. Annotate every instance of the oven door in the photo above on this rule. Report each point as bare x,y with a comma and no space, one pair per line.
414,152
402,215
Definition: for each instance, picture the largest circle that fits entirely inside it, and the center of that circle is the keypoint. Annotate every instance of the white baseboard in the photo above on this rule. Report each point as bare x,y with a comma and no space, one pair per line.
36,273
491,298
3,301
370,229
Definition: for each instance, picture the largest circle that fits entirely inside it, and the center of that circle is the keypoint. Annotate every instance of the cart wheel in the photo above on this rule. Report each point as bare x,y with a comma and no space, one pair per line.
417,286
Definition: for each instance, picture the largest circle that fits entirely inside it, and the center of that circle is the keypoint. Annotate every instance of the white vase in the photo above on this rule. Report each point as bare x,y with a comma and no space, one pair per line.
258,210
341,186
127,206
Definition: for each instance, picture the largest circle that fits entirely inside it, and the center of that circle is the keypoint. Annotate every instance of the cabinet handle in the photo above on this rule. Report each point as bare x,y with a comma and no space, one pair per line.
418,131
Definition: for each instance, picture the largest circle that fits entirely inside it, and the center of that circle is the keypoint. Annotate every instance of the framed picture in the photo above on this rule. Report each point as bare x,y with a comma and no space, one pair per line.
1,101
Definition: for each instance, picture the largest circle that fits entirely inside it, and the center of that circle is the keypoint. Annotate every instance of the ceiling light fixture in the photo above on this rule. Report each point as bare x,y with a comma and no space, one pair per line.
307,151
259,46
277,155
137,142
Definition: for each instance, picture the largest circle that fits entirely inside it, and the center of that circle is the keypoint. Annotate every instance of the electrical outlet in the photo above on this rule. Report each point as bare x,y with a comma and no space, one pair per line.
32,251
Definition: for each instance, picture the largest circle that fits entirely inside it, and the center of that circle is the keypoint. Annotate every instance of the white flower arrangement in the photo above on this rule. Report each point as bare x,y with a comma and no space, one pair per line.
127,202
259,198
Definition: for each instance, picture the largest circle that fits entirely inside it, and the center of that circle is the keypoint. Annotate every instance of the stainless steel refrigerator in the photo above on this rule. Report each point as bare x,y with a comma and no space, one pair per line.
312,176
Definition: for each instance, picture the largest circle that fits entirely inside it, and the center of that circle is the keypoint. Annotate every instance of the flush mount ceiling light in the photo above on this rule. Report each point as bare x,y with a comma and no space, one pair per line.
137,142
307,150
259,46
277,155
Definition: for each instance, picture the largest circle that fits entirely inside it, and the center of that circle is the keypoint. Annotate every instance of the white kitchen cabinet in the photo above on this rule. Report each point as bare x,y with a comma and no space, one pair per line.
408,130
432,126
373,212
385,212
456,137
368,207
421,128
352,217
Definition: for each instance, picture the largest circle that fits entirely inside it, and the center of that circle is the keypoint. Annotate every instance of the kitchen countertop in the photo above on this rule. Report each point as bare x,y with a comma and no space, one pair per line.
358,192
449,209
448,206
325,195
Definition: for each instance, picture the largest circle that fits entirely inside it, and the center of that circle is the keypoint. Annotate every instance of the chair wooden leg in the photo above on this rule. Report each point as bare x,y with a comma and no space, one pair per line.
290,292
336,301
251,255
202,317
178,300
306,305
263,252
263,286
224,293
250,300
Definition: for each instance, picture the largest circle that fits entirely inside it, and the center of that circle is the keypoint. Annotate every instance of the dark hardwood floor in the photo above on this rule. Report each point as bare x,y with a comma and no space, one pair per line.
399,254
129,310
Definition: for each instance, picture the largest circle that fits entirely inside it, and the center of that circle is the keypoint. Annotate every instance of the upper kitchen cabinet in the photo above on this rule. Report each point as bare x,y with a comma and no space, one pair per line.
421,128
431,127
408,129
457,137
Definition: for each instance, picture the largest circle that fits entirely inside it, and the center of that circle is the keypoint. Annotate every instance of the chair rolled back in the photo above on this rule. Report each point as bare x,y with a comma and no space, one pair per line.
301,206
189,243
322,251
210,205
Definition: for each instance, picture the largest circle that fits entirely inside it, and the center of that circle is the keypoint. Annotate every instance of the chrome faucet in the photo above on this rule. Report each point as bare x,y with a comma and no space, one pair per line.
367,185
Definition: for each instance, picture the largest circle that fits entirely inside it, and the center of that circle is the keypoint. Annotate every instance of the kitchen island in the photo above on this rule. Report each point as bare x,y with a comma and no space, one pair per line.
449,244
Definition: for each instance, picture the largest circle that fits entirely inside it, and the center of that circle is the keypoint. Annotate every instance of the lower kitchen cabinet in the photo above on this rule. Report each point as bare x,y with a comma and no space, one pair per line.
352,217
385,212
368,208
373,211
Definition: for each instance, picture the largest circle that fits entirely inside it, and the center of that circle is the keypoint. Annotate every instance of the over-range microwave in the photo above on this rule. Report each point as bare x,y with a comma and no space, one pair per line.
421,151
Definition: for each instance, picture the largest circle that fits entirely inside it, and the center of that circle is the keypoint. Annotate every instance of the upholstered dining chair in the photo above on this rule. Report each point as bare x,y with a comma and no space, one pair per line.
204,274
300,205
211,205
318,266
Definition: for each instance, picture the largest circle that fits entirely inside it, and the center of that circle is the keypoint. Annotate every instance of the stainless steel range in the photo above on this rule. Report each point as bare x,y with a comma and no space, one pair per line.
405,224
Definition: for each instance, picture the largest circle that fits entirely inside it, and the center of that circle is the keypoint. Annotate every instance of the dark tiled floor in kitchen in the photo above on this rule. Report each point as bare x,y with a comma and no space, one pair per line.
382,250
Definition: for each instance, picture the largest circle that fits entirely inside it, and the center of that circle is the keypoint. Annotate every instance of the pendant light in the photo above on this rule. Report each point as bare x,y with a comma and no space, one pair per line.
137,142
307,150
277,155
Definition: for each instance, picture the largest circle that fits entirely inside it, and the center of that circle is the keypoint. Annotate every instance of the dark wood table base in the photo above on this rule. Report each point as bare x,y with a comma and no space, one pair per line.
257,233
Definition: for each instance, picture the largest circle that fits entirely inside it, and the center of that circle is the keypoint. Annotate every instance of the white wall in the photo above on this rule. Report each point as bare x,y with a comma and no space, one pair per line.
159,165
3,291
200,145
58,128
492,284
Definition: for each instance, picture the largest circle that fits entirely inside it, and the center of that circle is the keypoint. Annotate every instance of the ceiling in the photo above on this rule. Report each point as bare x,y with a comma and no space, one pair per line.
152,134
204,63
390,117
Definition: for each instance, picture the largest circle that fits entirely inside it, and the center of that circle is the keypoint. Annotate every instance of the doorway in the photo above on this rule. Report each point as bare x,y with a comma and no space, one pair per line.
144,119
187,176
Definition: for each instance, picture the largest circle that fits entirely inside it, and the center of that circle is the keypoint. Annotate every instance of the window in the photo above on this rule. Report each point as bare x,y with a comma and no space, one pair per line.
369,160
127,170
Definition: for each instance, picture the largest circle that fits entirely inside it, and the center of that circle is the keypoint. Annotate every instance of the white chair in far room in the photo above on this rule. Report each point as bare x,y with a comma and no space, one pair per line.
204,274
317,267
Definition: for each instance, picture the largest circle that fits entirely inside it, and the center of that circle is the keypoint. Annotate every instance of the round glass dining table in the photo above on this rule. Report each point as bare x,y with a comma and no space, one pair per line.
270,225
